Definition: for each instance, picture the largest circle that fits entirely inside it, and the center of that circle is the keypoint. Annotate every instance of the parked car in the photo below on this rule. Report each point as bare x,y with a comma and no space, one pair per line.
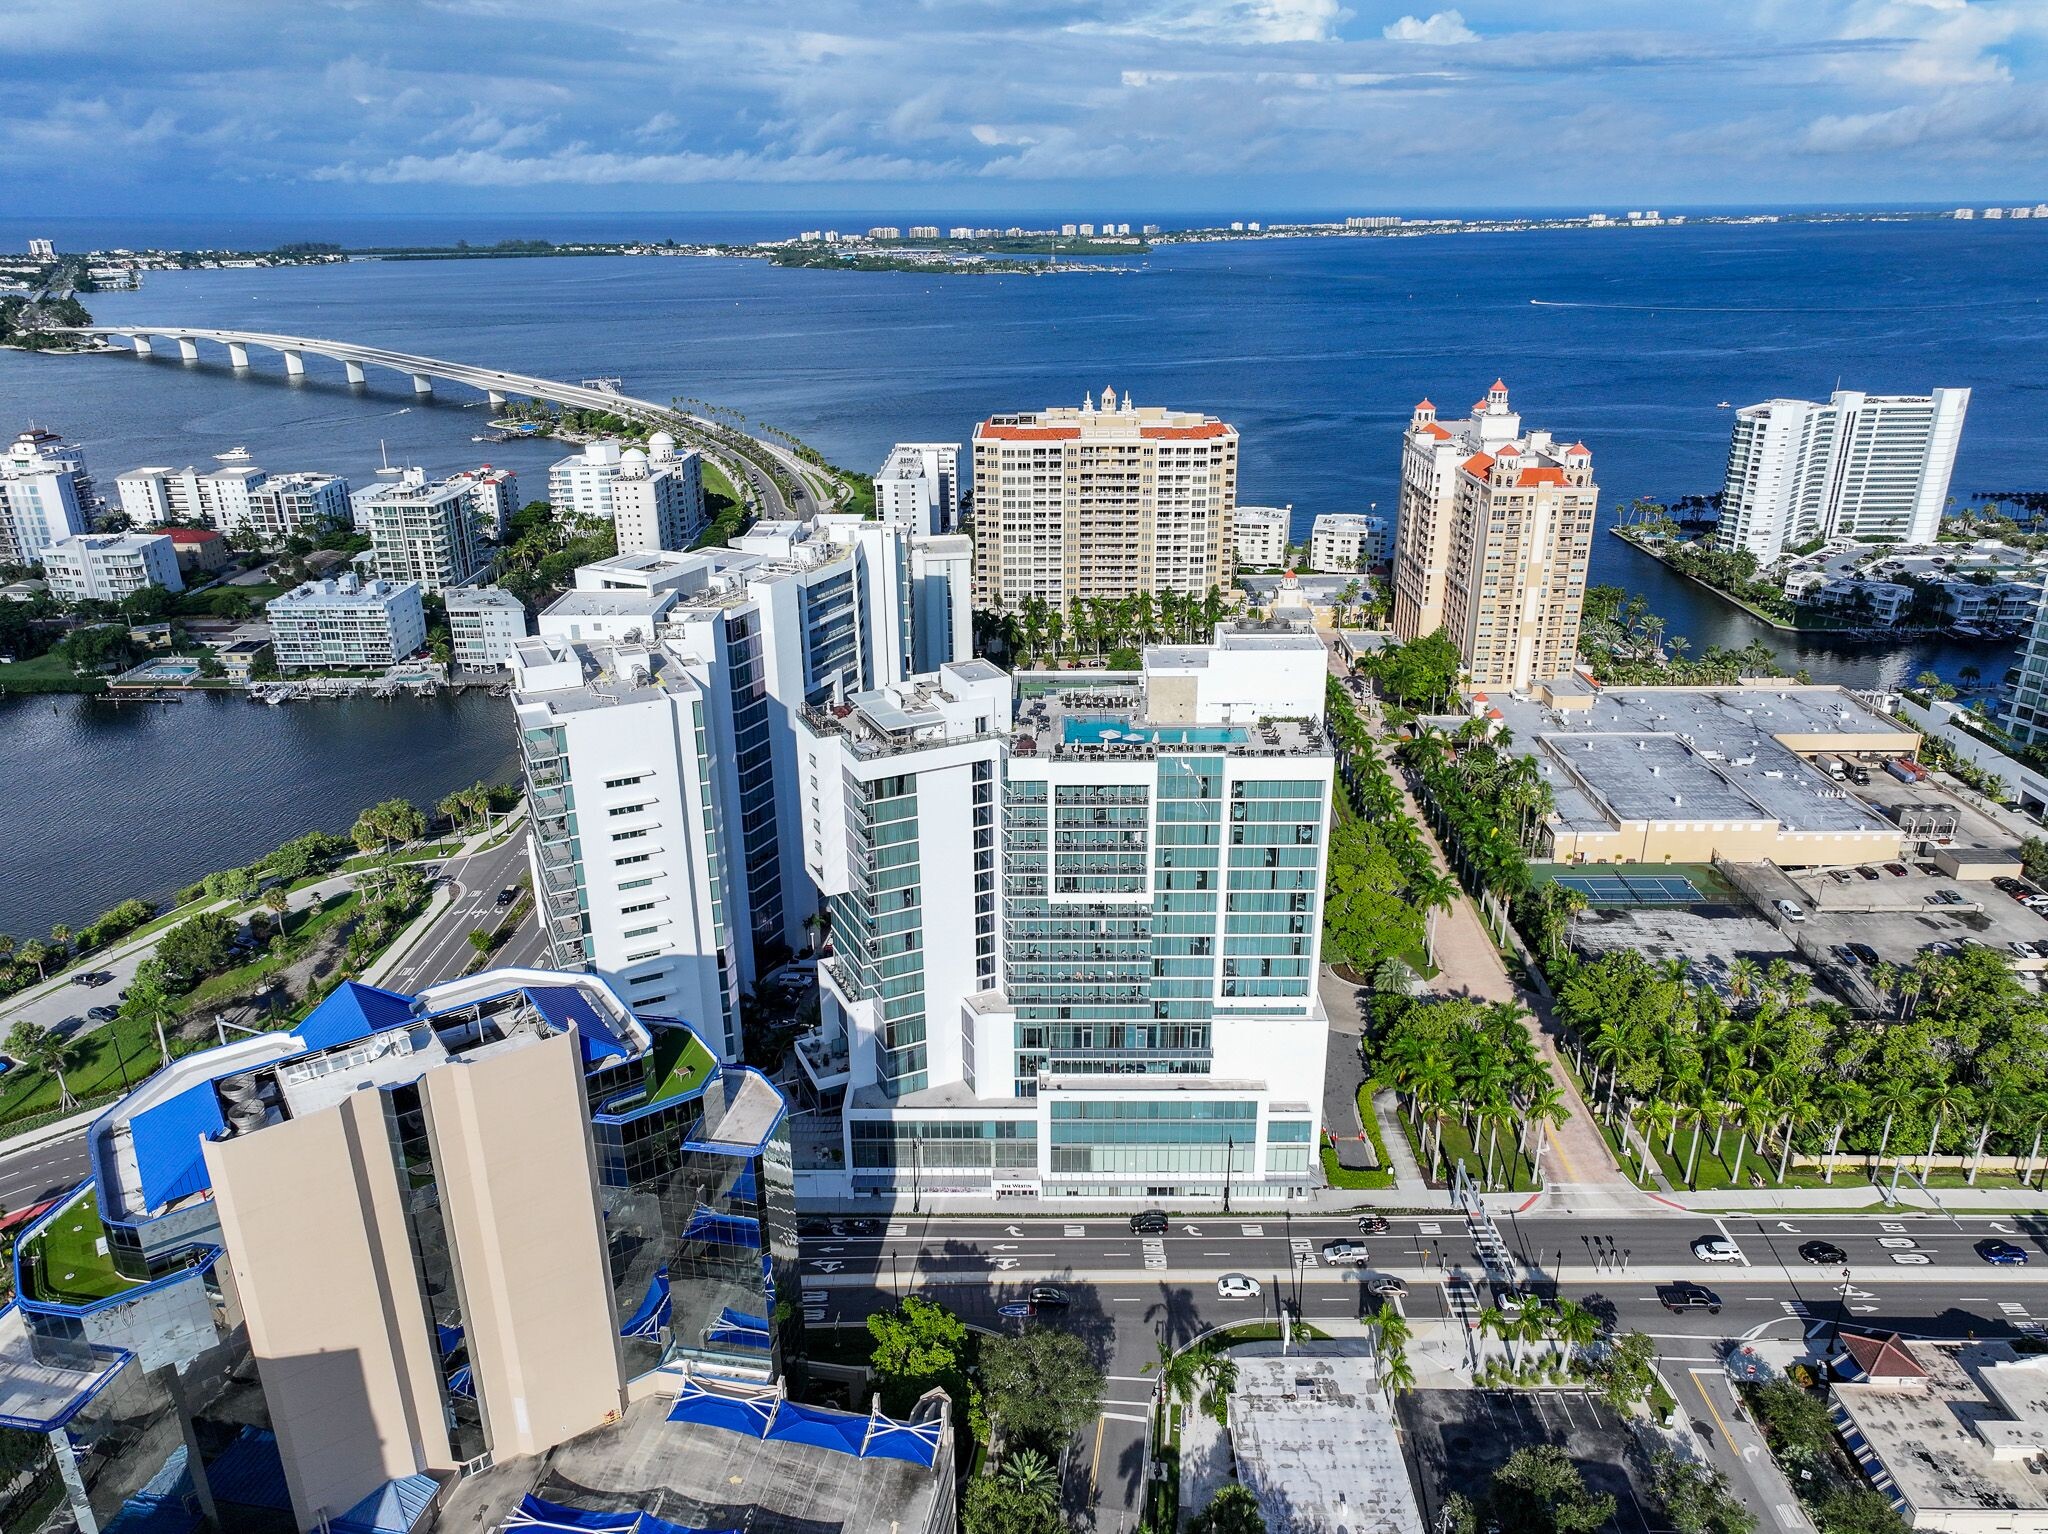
814,1227
1896,870
1682,1297
103,1014
2021,950
1865,871
1343,1252
1789,909
1372,1225
1822,1254
1839,875
1946,897
2001,1254
1149,1222
1237,1286
1864,953
856,1227
1716,1249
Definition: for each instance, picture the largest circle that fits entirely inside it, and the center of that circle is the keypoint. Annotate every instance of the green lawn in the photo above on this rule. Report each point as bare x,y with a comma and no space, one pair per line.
1342,1177
1715,1173
305,928
102,1056
681,1063
67,1259
1508,1162
46,673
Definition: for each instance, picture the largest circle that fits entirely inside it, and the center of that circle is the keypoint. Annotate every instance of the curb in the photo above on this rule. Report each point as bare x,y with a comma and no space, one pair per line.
48,1134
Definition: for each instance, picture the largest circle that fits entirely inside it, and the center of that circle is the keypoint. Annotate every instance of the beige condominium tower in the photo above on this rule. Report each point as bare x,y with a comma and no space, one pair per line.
1496,528
1104,501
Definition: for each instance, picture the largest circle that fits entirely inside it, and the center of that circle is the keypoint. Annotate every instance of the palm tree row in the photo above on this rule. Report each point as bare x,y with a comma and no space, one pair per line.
1760,1063
1475,1062
1038,633
1488,804
1528,1320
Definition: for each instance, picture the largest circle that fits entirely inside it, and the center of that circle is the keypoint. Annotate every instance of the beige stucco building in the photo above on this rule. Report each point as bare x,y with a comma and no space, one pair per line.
1685,775
1101,501
1495,532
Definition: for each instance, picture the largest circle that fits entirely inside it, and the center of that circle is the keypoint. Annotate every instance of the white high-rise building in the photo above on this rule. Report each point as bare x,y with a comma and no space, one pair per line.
46,496
789,615
422,532
1259,534
918,487
286,505
1075,929
1870,467
105,567
654,496
1100,503
942,597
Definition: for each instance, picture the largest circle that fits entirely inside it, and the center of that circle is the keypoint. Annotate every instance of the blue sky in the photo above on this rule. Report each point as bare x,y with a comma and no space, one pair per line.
275,107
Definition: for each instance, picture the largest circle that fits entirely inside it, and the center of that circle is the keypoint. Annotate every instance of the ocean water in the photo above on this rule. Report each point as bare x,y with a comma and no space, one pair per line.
1317,350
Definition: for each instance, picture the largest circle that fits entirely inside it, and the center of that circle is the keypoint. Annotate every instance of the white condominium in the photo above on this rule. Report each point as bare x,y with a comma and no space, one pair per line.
484,623
346,624
687,672
45,496
219,498
494,497
1259,536
1872,467
654,496
918,487
1343,542
287,505
422,532
1100,503
1495,532
105,567
1075,932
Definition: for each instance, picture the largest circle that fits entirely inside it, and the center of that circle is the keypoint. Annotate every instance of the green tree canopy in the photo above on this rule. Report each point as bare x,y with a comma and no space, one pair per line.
918,1345
1540,1491
1040,1386
1233,1510
195,948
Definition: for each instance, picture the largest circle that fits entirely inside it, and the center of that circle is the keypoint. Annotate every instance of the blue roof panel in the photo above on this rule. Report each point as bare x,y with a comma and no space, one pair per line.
168,1140
563,1005
353,1011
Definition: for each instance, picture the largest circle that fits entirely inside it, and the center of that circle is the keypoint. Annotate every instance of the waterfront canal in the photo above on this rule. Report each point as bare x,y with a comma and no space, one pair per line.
106,800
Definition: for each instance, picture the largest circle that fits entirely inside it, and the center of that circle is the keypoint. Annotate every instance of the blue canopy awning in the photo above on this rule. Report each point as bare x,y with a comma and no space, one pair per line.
533,1513
656,1307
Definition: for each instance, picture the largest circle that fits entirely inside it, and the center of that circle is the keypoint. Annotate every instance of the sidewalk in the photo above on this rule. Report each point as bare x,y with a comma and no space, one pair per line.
1400,1158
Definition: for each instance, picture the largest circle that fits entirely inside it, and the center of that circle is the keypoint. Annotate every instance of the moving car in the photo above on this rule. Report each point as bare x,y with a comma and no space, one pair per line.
1343,1252
506,897
2001,1254
1823,1254
1049,1297
1716,1249
1789,909
1237,1286
1372,1225
856,1227
1386,1287
1149,1222
1682,1297
103,1014
814,1227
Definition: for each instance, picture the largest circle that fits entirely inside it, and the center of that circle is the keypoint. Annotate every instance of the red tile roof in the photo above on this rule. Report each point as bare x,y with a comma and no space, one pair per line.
1580,447
1499,387
1436,431
1026,433
1546,476
191,535
1184,433
1478,463
1882,1358
1425,405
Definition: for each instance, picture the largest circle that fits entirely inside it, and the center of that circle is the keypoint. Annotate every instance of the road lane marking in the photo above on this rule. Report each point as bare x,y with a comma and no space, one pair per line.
1095,1463
1076,1232
1733,1447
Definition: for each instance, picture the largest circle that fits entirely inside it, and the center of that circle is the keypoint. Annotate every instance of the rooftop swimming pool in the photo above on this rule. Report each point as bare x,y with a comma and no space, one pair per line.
1111,730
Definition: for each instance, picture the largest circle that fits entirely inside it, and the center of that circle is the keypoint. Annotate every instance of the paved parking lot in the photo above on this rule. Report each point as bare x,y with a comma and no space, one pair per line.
1708,938
1457,1438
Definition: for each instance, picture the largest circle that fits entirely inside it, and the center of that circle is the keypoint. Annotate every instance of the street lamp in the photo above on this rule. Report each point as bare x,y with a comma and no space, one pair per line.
1229,1160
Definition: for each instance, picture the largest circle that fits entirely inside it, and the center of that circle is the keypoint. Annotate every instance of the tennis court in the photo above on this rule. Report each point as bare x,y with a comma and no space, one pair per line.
1633,889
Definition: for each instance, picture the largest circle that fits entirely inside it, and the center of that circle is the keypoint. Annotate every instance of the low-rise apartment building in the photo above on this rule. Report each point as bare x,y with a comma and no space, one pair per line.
105,567
1259,536
1343,542
291,505
484,623
346,624
200,550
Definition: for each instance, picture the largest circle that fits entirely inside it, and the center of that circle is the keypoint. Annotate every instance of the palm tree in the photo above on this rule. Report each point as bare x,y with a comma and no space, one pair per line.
1896,1095
278,901
45,1049
1575,1325
1032,1476
1948,1099
1180,1373
1397,1375
34,952
1431,892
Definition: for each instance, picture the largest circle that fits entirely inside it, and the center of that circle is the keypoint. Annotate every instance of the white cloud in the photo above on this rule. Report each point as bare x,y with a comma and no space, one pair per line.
1230,21
1441,30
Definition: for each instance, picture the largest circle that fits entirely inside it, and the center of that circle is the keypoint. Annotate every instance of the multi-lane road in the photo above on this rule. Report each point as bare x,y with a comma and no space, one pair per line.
1918,1273
441,952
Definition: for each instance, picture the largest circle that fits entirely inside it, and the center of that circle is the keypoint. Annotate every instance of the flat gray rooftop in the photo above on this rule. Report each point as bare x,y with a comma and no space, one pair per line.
1930,1443
1315,1444
1652,777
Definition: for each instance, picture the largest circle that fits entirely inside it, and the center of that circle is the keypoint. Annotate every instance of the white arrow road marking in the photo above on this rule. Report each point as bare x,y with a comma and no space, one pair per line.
1011,1230
898,1229
2001,1227
1193,1230
1792,1228
827,1267
1004,1264
1006,1246
1864,1310
1076,1232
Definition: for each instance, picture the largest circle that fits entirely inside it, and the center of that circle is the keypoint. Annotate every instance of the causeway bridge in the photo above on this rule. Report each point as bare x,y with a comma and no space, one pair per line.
799,488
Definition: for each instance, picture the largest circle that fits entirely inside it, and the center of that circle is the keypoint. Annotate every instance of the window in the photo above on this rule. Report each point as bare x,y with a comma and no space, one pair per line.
626,809
638,857
629,910
642,931
627,836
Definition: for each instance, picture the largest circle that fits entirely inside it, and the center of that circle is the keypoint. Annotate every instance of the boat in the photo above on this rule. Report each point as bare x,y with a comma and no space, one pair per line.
1724,405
